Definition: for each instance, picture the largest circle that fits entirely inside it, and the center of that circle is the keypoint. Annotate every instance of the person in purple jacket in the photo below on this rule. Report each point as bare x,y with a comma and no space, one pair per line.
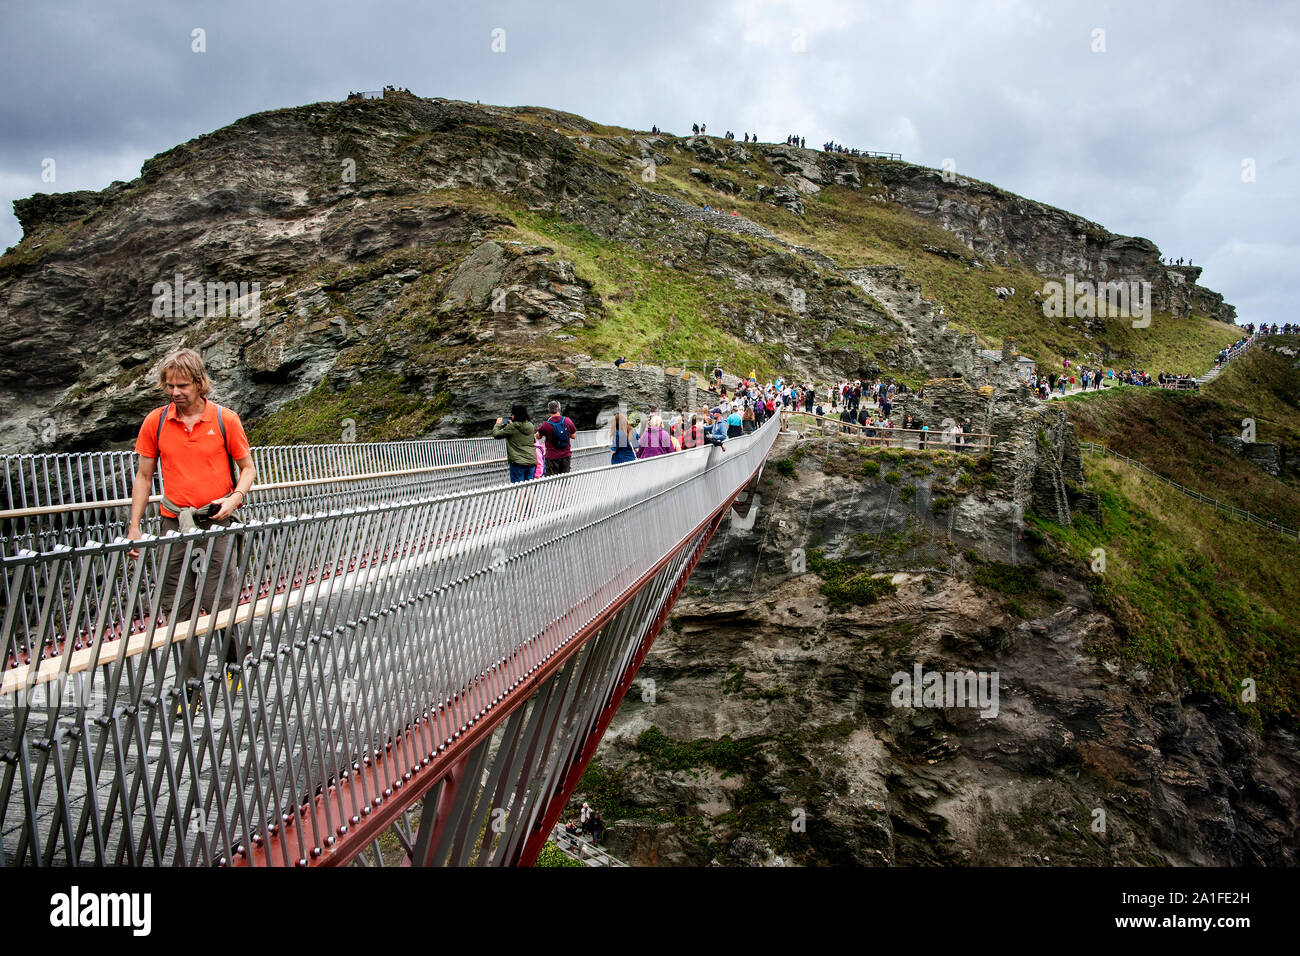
655,440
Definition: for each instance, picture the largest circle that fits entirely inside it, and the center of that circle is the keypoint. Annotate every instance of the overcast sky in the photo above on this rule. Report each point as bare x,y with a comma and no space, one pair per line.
1173,121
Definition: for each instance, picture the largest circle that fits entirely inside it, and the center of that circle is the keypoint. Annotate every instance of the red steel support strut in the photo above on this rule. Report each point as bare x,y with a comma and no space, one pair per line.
542,831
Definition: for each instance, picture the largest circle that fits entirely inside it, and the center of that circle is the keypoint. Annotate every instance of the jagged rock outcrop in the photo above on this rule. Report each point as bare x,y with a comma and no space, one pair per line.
42,211
1267,455
1002,227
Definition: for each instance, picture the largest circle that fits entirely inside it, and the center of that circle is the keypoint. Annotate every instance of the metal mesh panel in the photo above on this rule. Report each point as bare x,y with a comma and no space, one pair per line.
368,639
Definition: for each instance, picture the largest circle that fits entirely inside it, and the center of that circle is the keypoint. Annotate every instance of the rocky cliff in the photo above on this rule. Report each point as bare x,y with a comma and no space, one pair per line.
421,256
1002,227
766,728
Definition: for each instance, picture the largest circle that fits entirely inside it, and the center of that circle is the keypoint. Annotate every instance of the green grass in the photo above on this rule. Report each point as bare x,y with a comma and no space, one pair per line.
1172,432
653,312
1263,385
667,753
378,410
552,855
1006,578
846,584
1203,600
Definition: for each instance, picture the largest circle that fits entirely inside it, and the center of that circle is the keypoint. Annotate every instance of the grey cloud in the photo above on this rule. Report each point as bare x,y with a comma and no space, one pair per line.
1146,137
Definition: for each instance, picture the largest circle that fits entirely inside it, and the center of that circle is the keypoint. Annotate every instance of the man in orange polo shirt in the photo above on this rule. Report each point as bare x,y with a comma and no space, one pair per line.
196,471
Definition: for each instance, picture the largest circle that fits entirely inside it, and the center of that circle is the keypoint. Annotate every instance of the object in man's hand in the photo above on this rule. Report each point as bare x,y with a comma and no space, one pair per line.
203,516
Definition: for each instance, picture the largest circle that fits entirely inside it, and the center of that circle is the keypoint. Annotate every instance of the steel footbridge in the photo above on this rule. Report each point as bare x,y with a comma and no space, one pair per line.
427,656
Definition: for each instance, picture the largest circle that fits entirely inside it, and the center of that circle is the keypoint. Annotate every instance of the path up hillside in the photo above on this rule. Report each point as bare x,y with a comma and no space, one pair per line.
1195,438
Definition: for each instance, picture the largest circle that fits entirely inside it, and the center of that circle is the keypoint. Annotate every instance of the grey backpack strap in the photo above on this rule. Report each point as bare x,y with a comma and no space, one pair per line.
225,443
230,459
161,419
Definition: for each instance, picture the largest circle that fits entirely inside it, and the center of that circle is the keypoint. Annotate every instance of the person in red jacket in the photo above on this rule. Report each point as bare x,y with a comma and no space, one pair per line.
558,432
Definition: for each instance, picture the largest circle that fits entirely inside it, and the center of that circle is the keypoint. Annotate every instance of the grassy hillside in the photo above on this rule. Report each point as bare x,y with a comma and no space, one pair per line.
1264,384
1207,601
1173,432
856,230
651,309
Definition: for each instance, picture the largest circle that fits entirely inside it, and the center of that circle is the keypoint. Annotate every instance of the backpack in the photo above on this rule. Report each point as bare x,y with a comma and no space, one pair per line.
560,435
230,460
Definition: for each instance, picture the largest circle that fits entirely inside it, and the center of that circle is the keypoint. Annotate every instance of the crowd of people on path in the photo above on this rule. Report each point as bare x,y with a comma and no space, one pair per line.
834,147
1082,378
1232,351
701,129
545,449
849,403
1171,261
535,451
1288,328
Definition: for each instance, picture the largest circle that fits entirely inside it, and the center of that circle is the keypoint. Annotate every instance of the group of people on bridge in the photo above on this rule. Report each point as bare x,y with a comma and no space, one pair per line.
546,449
536,451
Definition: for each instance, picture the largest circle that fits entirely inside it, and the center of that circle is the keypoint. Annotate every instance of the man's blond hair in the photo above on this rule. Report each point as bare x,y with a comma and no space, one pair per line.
187,362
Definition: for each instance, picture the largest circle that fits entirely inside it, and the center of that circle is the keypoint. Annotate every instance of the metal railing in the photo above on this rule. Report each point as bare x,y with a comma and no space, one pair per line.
1193,493
367,641
915,439
577,847
1234,353
671,366
68,498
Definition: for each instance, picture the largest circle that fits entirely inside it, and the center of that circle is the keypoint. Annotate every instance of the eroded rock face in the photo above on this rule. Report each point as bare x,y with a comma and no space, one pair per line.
809,758
416,286
365,227
1002,227
1267,455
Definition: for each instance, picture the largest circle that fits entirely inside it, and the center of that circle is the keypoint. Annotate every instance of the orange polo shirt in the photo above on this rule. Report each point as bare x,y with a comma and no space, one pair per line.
195,470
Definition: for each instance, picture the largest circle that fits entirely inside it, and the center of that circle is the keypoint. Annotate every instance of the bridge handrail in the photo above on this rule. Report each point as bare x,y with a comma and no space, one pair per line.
362,629
102,481
895,437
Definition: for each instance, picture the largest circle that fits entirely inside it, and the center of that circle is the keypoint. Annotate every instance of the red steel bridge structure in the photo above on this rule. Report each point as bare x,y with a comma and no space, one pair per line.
428,659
